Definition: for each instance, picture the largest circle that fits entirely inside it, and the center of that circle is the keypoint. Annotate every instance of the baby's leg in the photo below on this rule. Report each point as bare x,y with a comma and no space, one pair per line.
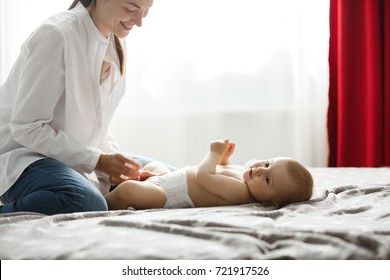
140,195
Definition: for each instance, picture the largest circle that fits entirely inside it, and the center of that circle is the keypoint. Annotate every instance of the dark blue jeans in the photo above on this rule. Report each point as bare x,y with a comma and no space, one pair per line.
47,186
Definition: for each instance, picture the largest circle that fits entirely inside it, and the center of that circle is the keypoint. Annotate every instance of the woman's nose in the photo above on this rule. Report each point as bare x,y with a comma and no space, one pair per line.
137,19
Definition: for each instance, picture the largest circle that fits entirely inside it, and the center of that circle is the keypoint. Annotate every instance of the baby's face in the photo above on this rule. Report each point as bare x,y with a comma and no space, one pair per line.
268,180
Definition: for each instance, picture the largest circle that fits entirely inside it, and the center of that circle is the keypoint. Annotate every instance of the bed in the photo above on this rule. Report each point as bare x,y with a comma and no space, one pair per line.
348,217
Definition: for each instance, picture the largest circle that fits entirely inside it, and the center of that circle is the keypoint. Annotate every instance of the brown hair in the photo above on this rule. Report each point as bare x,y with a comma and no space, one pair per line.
118,45
302,187
85,3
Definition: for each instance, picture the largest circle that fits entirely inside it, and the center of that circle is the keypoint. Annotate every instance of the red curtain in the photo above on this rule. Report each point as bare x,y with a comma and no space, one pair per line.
359,90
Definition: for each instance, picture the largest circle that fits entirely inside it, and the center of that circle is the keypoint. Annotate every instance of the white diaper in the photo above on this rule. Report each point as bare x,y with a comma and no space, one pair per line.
175,187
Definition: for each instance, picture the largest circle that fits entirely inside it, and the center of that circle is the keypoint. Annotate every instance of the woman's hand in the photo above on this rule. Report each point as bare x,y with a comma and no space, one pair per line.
118,167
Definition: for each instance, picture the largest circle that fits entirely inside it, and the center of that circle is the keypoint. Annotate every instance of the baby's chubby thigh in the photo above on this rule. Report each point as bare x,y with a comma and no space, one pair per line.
140,195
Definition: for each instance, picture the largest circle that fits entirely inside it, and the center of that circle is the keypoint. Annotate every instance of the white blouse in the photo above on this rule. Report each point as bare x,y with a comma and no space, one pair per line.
53,105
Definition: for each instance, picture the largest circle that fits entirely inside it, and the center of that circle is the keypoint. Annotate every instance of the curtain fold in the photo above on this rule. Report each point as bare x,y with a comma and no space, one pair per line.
358,114
386,70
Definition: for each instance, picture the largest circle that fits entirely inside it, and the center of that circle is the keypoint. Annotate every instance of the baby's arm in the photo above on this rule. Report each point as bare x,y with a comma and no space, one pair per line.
213,157
140,195
231,189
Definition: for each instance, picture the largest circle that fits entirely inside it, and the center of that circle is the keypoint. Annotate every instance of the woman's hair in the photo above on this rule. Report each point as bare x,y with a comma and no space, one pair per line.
302,184
118,45
85,3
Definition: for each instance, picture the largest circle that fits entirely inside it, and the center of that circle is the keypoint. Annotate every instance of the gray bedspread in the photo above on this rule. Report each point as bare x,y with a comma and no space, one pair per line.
347,218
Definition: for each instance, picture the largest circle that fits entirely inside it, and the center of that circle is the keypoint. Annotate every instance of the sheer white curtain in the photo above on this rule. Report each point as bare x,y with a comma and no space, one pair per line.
254,71
18,18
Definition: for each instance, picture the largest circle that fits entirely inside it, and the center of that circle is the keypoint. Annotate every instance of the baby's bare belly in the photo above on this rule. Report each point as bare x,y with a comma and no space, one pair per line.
199,196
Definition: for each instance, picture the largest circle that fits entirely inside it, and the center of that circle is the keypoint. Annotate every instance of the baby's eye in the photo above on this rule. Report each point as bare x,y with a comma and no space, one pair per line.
267,164
267,179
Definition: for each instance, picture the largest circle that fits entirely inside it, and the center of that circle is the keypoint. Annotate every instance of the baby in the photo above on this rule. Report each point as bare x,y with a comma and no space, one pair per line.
275,182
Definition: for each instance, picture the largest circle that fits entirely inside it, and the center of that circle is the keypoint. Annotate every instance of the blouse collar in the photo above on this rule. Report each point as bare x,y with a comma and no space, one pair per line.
86,17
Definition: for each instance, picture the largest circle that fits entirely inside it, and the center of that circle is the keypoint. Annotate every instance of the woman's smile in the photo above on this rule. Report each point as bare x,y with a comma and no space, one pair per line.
126,26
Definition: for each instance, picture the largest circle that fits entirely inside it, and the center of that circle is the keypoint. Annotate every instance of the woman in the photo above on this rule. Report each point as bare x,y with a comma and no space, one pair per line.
56,152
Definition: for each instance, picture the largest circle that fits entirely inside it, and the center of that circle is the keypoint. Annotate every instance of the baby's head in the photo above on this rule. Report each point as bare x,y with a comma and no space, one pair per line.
279,181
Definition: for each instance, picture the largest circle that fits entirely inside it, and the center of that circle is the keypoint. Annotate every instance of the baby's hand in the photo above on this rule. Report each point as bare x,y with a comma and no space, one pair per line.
145,174
219,146
227,154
